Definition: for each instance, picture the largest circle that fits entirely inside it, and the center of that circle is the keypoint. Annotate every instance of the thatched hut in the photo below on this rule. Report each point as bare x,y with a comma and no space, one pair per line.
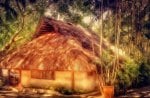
60,54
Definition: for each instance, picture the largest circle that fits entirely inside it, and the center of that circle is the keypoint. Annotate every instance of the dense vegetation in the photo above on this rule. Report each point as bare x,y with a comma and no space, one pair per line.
124,23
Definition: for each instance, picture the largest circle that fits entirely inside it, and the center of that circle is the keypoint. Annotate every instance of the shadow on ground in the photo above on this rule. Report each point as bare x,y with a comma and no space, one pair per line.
141,93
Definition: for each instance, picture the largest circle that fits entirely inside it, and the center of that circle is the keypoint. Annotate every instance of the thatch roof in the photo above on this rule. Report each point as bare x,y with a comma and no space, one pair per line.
50,52
57,46
87,38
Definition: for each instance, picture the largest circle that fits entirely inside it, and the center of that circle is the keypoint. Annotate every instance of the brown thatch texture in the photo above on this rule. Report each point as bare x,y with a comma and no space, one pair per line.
88,39
57,46
50,52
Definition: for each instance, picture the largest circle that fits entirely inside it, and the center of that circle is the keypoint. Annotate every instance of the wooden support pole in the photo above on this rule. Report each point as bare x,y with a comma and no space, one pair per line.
20,87
73,80
9,80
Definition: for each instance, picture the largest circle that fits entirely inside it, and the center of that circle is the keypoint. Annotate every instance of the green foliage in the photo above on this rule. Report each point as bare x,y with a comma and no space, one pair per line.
14,31
63,8
144,76
109,28
127,75
68,91
108,66
65,91
75,18
133,75
72,10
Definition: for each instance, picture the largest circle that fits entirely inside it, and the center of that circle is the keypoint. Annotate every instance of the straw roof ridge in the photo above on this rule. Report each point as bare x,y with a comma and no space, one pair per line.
84,36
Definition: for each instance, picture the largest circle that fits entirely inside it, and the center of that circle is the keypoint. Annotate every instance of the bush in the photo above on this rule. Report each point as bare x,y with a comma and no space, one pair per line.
65,91
126,76
144,76
68,91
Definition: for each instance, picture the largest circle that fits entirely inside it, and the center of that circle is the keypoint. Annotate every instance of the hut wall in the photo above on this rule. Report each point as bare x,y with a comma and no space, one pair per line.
42,83
63,78
82,80
5,72
85,81
25,78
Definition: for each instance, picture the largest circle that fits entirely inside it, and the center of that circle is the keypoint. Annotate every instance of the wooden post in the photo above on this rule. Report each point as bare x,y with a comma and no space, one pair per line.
8,77
20,75
73,80
20,87
1,72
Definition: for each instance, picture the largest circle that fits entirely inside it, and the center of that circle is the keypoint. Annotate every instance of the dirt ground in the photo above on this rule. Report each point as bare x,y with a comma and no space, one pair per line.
9,92
138,93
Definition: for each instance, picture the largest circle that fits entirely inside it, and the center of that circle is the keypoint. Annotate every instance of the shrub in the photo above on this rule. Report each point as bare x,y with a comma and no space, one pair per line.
144,76
69,91
127,75
65,91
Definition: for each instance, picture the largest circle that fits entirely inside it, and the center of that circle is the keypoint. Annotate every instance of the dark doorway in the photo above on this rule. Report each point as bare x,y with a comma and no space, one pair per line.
14,77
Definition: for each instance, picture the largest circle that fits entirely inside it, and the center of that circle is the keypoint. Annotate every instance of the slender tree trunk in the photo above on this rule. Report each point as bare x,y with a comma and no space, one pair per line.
8,45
